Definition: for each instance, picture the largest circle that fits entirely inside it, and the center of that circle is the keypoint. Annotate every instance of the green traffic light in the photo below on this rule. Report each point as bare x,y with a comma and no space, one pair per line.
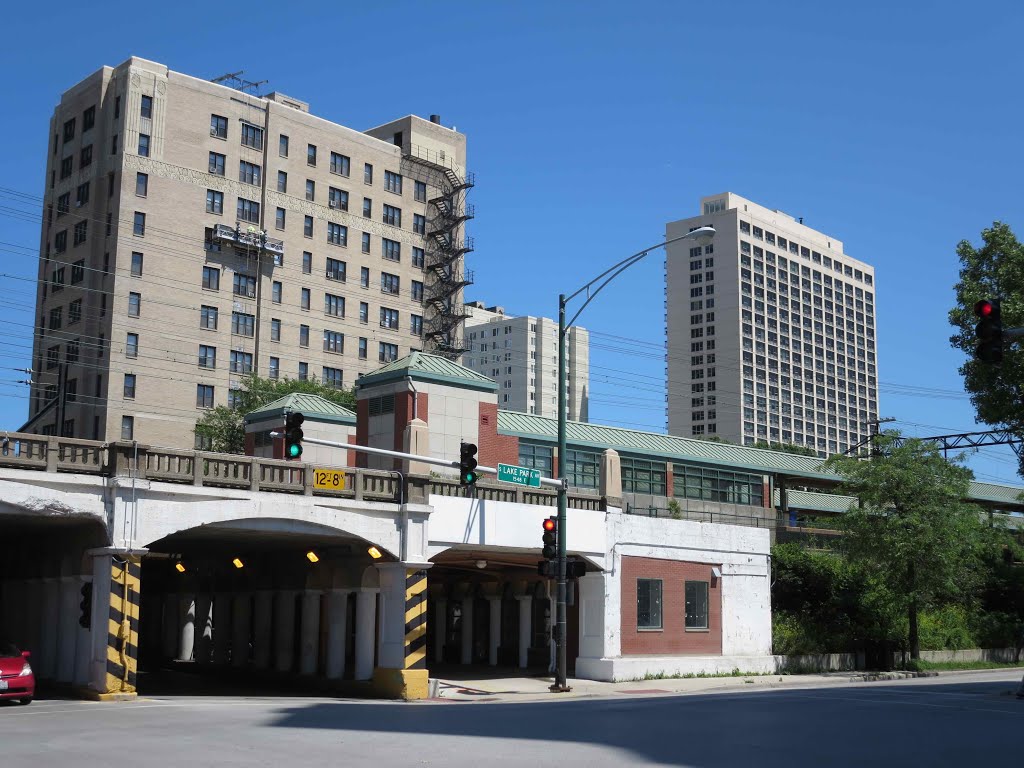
294,451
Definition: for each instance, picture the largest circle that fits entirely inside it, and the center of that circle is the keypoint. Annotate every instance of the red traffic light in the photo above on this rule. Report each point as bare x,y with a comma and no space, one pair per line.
983,308
549,524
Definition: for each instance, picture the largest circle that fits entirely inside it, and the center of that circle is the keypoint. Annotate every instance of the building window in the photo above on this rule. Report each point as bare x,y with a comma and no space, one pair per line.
418,259
73,349
303,371
78,272
307,263
81,231
275,329
696,605
204,396
337,234
63,204
540,457
127,427
139,228
143,145
136,264
582,468
420,191
340,164
282,146
244,285
282,181
307,226
337,198
336,270
362,348
368,174
392,216
219,127
276,289
304,298
367,207
387,353
251,136
417,290
146,107
248,210
393,182
366,242
141,185
86,156
214,202
332,377
69,130
208,318
74,311
211,278
707,484
390,283
303,335
60,241
419,224
416,325
334,305
364,312
88,119
311,154
113,146
310,190
648,604
242,324
279,218
249,173
207,356
389,318
217,164
129,386
334,342
642,476
274,370
241,362
134,304
67,166
391,249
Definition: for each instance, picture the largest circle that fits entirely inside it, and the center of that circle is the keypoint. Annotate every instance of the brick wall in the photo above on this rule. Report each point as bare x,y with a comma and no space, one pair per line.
493,448
672,638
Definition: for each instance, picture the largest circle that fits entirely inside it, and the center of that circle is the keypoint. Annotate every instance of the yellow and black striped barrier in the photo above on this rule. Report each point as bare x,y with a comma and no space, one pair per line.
416,619
123,624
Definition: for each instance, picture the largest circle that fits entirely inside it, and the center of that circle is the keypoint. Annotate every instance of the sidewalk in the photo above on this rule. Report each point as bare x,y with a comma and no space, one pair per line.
520,689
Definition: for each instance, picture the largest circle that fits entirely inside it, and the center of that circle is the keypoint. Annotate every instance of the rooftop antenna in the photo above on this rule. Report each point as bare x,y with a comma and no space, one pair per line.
236,81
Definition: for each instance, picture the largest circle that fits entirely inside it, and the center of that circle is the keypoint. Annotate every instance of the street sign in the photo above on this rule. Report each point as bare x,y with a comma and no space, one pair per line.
510,473
328,479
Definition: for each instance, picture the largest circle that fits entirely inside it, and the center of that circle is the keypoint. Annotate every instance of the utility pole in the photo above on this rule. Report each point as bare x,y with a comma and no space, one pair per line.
874,424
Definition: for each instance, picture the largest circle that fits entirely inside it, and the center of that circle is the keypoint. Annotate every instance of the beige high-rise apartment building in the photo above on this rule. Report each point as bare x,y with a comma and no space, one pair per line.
771,331
194,232
521,355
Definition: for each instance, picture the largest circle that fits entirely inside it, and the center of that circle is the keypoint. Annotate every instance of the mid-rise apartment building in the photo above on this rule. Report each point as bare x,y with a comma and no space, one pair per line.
193,233
521,355
771,331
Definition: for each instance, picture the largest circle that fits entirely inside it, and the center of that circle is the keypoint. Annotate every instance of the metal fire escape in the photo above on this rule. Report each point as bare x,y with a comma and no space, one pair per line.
447,244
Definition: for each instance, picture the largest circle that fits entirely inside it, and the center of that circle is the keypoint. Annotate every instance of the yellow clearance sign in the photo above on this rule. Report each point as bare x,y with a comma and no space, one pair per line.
328,479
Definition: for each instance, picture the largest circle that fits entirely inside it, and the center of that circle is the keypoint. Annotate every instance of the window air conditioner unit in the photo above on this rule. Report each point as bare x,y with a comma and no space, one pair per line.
213,131
333,203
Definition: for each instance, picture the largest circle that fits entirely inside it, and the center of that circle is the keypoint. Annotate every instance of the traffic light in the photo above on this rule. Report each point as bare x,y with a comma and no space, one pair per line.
293,435
989,331
550,538
467,464
85,620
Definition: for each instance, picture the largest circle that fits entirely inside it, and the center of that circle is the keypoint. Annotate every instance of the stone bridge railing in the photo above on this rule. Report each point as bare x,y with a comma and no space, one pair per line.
224,470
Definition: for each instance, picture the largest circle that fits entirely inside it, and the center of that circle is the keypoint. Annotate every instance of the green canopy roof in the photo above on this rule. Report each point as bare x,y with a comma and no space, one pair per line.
313,407
425,367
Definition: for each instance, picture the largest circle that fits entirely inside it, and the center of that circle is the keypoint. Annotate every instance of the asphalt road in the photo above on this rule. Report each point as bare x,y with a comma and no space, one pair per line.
955,720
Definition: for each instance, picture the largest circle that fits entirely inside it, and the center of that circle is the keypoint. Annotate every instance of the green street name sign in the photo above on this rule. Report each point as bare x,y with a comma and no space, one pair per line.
510,473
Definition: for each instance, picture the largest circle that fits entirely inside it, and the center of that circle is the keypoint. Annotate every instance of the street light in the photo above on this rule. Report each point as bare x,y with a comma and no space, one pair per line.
702,235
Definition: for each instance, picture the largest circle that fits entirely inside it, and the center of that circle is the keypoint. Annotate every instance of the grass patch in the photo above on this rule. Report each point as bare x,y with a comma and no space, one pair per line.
693,675
947,666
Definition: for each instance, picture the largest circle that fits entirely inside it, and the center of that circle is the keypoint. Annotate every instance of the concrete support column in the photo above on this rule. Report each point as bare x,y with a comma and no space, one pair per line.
284,630
525,629
48,629
263,626
309,649
467,630
366,619
241,617
495,630
33,619
440,628
82,638
169,639
186,627
337,619
67,624
203,648
221,628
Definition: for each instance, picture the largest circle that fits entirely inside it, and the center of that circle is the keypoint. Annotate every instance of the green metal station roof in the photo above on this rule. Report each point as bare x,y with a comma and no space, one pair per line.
313,407
422,366
578,433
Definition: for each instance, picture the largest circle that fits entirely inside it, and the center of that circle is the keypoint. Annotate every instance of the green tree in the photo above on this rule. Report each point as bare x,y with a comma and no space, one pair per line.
800,450
916,540
995,270
224,428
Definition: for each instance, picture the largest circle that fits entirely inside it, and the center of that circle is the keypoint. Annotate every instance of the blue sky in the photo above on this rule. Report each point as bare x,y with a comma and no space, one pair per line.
891,126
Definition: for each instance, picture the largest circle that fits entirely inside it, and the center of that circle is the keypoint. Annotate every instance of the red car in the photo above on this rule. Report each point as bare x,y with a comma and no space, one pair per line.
16,678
